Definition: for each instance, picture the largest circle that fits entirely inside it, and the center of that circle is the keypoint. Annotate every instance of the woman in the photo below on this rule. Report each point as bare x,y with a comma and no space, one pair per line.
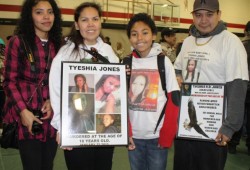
26,81
80,84
105,100
84,35
138,85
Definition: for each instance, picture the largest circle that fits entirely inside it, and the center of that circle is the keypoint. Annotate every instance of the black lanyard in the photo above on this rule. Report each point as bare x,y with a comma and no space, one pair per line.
96,56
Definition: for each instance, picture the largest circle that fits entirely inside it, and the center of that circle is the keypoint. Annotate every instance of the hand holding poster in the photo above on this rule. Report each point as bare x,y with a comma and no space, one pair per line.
94,104
201,111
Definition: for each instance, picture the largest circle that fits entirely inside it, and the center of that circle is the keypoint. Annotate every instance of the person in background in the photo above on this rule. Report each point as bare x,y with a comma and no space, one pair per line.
236,137
84,35
148,148
119,51
179,45
223,60
107,40
26,81
168,41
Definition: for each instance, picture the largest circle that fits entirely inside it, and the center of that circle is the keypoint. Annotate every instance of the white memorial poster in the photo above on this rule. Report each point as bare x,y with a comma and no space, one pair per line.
201,111
93,105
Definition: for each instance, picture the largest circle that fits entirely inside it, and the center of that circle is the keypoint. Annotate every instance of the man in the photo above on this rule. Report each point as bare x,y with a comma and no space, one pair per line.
224,60
236,137
168,41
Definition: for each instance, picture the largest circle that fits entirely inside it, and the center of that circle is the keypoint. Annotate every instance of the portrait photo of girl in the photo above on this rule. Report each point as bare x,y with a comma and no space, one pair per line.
143,90
191,71
105,98
138,88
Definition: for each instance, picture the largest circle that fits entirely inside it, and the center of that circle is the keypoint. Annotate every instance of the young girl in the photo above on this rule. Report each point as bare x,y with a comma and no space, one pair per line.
105,100
84,35
26,81
108,123
148,150
80,84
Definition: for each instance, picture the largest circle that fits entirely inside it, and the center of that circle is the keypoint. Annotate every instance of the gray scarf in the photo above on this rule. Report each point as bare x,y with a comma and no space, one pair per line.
218,29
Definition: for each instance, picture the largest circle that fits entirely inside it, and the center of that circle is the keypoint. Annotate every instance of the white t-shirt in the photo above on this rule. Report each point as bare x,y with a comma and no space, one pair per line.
65,54
144,116
218,61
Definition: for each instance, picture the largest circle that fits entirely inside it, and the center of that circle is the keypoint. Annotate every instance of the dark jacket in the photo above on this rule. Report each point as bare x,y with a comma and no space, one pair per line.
246,43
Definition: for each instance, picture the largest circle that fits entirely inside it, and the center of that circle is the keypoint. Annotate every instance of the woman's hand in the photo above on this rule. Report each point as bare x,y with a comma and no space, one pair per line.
58,142
46,110
131,145
27,119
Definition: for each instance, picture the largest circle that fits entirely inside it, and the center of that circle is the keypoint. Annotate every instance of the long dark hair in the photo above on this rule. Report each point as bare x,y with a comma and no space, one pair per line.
82,76
193,72
141,96
26,28
141,17
101,81
75,35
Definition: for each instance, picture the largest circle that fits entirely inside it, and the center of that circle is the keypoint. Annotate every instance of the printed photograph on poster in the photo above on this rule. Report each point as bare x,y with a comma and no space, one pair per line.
201,111
93,105
143,91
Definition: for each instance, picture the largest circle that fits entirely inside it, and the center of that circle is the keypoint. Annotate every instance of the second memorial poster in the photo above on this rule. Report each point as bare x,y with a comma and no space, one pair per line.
202,111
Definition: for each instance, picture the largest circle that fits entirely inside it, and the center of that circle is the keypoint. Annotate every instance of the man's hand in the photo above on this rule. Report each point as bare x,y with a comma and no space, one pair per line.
179,80
221,139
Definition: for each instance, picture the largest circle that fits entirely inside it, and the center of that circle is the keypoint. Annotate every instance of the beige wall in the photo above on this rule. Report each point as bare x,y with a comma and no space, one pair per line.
236,12
232,12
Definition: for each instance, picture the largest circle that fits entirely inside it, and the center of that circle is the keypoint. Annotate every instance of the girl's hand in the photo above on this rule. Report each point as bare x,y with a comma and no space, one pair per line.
46,110
27,119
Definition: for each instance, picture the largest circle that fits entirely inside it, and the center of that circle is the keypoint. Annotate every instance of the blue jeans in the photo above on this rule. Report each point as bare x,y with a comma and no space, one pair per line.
147,155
